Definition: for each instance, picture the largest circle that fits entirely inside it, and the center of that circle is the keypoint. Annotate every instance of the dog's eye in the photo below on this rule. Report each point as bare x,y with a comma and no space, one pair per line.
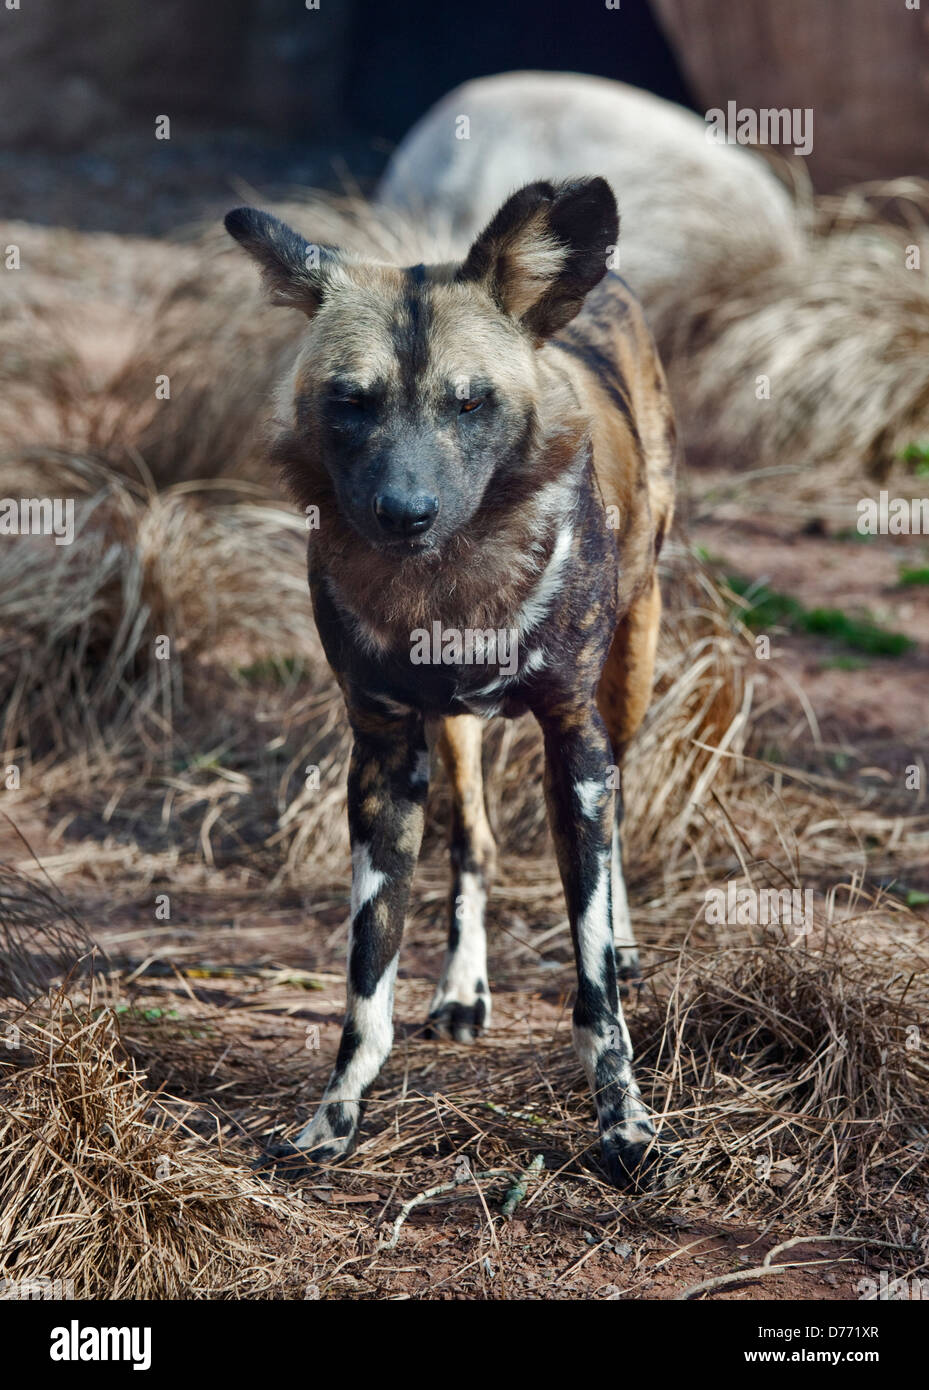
351,402
469,406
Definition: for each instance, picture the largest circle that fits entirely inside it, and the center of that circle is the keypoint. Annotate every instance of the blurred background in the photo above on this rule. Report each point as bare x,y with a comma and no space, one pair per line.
272,93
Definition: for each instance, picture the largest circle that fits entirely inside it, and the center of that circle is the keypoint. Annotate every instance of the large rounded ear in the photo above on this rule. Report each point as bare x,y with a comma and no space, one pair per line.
545,250
294,270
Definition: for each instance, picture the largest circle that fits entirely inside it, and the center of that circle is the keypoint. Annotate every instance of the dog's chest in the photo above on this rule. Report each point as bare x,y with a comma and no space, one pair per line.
458,672
555,635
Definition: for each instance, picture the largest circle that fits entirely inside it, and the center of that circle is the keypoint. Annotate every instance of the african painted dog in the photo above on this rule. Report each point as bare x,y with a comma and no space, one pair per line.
490,446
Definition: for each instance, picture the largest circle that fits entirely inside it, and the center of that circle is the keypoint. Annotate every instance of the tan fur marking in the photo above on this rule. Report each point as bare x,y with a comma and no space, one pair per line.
460,749
625,688
410,833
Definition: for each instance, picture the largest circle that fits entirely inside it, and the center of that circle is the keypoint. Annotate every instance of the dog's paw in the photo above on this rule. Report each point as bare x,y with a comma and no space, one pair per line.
457,1022
326,1138
288,1160
284,1160
632,1156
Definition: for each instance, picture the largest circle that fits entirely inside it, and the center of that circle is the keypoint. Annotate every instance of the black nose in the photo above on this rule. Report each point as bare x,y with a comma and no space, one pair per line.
406,516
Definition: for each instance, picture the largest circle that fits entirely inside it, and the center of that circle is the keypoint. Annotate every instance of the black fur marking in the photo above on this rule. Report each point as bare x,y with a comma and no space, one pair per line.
340,1122
609,965
595,1007
348,1046
411,333
632,1166
609,378
462,1021
370,954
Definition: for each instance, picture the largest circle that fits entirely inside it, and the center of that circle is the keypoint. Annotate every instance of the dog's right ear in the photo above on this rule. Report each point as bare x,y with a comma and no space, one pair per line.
296,273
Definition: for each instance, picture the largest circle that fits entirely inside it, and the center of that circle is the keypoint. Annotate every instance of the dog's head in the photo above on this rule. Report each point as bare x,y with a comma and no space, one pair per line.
415,388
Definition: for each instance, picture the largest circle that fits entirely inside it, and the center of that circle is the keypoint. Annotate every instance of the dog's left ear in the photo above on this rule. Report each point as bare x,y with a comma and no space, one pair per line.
544,251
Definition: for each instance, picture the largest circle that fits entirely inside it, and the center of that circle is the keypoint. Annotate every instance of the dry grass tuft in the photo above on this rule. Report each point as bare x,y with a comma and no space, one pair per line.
842,337
104,1190
792,1072
84,627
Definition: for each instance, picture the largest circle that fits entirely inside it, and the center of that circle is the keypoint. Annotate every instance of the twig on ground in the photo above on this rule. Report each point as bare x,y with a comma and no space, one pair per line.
740,1276
390,1243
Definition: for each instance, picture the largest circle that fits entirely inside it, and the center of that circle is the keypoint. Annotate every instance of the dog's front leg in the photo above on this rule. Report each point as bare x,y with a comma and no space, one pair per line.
387,784
580,806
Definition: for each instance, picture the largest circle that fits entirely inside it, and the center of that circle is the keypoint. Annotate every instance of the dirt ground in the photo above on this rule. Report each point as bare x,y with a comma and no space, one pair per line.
232,970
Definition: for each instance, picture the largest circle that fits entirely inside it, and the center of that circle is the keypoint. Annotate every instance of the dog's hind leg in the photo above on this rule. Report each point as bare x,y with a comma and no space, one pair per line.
387,784
622,697
461,1006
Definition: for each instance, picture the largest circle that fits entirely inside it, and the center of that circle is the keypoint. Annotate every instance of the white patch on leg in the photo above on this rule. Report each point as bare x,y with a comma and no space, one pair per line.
589,1046
594,931
467,964
367,881
623,936
591,795
594,936
373,1025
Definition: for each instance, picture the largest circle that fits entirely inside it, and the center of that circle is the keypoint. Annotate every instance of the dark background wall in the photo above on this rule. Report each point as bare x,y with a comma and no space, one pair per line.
398,68
71,70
